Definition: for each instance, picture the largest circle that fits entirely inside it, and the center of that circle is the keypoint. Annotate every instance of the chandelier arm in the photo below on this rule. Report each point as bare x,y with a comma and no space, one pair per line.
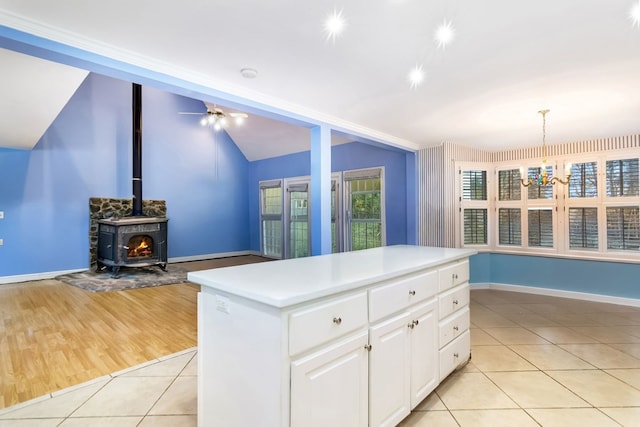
561,181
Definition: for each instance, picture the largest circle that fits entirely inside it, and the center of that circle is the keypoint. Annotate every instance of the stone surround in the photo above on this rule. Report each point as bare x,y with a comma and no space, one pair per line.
102,207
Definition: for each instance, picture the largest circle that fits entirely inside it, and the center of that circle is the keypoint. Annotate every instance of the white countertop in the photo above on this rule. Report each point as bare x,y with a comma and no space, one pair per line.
287,282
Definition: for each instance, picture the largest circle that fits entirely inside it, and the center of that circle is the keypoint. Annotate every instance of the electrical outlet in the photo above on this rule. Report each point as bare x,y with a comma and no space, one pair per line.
1,242
1,214
223,304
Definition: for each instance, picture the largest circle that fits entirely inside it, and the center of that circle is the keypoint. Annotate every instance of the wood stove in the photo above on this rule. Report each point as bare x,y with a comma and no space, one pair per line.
134,241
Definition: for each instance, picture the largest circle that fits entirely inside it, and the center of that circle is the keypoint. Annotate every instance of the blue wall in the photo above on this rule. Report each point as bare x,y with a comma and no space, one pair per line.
593,277
86,152
349,156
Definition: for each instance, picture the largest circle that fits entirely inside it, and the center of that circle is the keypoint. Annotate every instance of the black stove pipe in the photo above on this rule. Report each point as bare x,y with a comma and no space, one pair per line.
137,149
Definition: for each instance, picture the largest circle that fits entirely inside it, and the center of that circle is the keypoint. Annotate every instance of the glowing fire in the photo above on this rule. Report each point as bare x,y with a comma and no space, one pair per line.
140,246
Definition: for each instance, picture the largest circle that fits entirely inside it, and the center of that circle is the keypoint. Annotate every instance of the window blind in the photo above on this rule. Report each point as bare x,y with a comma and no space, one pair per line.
509,187
583,228
623,228
509,226
474,185
584,180
475,226
622,178
540,228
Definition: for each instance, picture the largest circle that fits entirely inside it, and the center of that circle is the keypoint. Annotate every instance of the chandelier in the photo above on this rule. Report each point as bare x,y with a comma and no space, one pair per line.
542,177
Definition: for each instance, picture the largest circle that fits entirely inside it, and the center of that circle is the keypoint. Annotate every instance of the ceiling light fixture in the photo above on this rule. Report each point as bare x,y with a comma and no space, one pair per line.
634,14
416,76
334,25
444,34
249,73
217,118
542,177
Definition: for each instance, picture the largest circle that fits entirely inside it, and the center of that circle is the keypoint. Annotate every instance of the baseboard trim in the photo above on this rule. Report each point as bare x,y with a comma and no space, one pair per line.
212,256
6,280
633,302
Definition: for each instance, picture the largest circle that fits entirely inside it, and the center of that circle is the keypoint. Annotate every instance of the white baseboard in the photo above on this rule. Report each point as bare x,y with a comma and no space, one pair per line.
5,280
633,302
212,256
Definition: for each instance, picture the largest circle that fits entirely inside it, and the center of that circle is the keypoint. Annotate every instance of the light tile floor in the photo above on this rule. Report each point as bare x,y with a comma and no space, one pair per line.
537,361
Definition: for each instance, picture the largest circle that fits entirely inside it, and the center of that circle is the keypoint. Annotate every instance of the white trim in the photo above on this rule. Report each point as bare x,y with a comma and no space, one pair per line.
584,296
36,276
212,256
5,280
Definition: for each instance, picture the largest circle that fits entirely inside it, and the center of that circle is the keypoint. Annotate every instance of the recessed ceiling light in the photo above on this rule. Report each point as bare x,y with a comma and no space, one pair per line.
334,25
416,76
634,14
249,73
444,34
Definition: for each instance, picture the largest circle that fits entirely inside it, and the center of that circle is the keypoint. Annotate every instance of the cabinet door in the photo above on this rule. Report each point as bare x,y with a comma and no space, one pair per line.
329,387
389,371
424,351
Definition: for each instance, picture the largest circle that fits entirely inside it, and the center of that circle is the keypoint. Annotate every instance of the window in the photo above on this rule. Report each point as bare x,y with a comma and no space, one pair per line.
475,226
623,225
298,238
622,178
509,227
474,188
540,228
271,218
509,186
583,228
584,180
363,202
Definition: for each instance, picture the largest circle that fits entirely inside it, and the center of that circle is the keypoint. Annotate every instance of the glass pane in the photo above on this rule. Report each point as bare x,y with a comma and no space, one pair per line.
272,201
540,228
509,227
539,191
366,214
509,186
583,228
584,180
298,224
272,238
623,224
474,185
622,178
475,226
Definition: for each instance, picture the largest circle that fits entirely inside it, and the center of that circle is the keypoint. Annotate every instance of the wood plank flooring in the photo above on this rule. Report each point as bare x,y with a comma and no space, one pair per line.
53,335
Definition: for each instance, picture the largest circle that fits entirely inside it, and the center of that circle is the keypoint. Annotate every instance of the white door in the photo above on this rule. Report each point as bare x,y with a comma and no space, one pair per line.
424,351
329,387
389,371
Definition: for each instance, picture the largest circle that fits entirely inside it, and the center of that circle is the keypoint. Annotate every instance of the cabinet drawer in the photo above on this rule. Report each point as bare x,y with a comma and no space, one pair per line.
454,274
396,296
453,326
324,322
453,300
454,354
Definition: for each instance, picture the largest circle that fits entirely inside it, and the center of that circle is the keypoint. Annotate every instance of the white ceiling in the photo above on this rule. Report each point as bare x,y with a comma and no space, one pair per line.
579,58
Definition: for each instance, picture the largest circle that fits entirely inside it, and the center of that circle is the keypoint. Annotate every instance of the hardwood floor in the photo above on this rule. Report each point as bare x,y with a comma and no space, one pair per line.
53,335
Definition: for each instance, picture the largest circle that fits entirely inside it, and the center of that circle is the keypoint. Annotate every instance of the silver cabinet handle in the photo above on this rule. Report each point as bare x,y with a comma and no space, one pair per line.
412,293
455,355
455,302
411,325
455,328
367,347
337,320
416,322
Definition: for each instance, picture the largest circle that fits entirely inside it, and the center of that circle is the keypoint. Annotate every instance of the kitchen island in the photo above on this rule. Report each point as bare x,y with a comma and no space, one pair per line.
349,339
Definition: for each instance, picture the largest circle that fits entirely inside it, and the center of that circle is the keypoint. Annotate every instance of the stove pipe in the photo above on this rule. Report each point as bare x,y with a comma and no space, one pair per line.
137,149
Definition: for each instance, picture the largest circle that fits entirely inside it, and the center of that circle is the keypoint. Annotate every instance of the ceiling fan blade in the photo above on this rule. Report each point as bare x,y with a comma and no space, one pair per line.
243,115
185,112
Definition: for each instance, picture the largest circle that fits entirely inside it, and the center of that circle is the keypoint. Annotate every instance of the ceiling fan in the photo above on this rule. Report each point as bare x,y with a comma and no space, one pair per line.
217,118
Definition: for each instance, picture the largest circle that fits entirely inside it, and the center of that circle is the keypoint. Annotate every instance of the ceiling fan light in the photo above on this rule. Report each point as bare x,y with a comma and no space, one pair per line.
203,121
211,119
217,126
239,120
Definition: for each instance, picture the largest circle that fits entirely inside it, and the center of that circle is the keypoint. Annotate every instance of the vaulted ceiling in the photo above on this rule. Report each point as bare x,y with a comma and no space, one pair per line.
506,61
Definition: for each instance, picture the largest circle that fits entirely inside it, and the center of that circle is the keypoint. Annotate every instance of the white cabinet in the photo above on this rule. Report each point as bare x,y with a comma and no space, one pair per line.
351,339
453,327
329,387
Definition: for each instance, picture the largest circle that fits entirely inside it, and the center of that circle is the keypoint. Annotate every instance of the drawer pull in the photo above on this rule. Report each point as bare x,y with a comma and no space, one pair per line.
415,322
455,355
455,328
412,293
337,320
411,325
455,276
367,347
455,302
